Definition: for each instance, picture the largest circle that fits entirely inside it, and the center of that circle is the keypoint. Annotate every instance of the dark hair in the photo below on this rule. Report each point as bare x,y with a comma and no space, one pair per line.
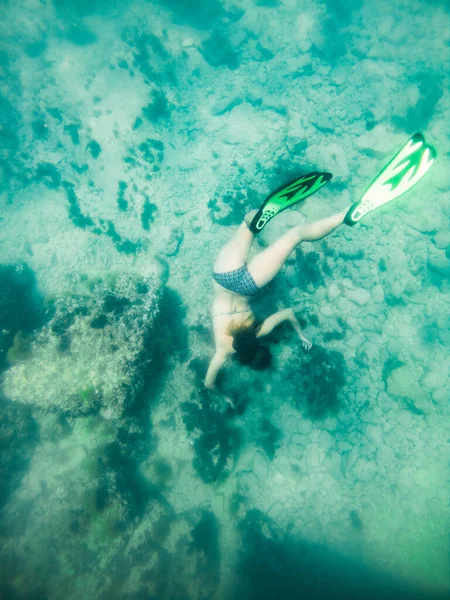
249,351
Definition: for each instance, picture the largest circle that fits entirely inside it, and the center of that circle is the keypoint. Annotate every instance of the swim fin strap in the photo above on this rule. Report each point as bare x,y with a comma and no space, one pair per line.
287,195
406,169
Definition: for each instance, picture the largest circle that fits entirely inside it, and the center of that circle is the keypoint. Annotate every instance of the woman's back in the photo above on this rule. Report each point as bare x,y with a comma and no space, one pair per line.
228,310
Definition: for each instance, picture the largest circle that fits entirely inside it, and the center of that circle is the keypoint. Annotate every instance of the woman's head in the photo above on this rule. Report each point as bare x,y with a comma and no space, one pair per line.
249,351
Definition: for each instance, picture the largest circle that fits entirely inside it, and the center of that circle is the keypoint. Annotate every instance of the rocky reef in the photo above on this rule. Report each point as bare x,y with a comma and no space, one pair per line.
93,353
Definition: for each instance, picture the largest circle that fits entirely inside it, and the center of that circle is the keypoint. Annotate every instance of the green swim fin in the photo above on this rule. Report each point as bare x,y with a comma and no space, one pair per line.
407,167
288,195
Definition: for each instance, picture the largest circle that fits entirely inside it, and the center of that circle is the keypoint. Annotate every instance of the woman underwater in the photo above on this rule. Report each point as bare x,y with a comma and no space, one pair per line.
235,282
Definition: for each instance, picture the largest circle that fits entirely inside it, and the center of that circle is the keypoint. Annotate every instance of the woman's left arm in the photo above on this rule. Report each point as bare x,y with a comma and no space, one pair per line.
296,325
274,320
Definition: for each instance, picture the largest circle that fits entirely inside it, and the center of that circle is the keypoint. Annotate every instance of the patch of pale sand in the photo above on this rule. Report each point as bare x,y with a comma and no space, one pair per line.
37,230
379,139
407,526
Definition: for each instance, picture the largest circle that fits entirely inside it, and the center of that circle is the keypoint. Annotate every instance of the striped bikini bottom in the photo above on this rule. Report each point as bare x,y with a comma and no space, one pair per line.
239,281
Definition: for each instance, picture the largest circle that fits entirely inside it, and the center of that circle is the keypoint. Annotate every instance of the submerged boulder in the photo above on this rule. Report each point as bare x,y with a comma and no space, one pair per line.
94,352
404,382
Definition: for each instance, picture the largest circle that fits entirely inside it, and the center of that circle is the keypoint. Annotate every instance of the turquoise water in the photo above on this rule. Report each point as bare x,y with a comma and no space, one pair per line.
134,136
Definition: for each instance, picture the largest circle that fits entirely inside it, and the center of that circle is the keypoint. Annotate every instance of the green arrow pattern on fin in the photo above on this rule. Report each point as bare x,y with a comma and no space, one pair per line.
288,195
399,175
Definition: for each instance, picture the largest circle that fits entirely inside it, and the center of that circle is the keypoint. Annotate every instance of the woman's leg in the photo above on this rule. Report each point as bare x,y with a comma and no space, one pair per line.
235,252
267,263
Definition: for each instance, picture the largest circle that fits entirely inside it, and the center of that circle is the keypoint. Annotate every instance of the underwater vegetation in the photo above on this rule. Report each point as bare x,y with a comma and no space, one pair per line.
10,143
120,474
216,442
202,14
94,148
19,435
218,52
311,268
318,378
109,492
231,207
147,215
149,52
205,538
22,309
121,200
270,437
172,341
79,219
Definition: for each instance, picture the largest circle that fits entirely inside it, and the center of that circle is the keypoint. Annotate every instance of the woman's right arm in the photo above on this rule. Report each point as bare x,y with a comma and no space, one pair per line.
219,359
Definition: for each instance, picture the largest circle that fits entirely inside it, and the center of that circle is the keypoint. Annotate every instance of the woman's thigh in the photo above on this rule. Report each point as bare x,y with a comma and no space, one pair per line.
235,252
268,263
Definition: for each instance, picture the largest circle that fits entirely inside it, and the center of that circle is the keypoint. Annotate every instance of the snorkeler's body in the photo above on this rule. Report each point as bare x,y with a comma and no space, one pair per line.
231,309
235,281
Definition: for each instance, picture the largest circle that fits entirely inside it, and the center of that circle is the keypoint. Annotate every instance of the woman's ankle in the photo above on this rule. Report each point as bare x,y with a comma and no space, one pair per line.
249,217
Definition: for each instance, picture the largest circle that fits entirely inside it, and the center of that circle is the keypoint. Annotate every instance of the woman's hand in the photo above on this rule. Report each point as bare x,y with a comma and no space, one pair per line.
305,342
229,401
